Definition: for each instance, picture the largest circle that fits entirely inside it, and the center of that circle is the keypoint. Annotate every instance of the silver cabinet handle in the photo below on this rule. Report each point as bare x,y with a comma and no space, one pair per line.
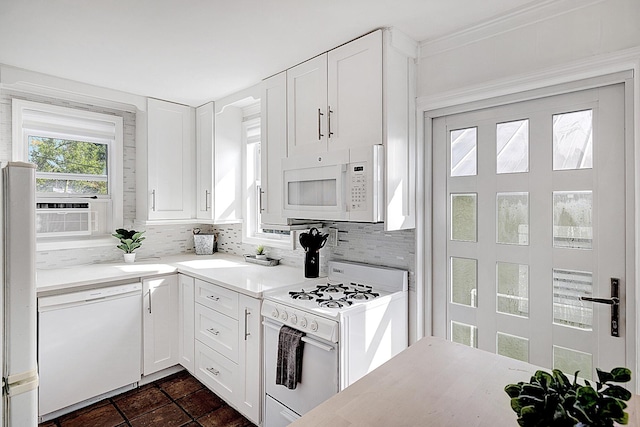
149,300
320,135
213,371
213,298
153,200
246,323
213,331
329,111
260,194
206,200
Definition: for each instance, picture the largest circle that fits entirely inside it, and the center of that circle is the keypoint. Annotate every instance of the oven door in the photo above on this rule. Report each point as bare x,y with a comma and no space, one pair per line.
319,379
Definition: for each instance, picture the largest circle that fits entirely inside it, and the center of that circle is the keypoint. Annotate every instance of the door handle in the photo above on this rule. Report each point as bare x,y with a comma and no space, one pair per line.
614,302
329,111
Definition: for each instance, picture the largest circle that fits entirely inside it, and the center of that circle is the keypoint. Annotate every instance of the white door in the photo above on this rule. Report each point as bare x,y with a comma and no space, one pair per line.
534,197
307,107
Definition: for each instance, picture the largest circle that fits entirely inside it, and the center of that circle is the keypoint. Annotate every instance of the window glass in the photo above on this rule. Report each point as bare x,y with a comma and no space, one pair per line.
69,167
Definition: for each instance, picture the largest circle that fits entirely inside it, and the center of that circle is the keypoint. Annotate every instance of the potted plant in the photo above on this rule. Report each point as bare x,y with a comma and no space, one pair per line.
551,400
130,240
260,252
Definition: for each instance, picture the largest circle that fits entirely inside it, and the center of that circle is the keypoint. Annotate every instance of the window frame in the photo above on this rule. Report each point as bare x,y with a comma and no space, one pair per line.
71,123
251,226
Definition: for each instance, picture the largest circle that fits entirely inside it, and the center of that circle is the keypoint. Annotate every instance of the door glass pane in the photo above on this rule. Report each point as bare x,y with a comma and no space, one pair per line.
463,217
512,220
569,361
463,152
464,334
568,308
573,140
572,219
464,281
512,288
512,346
512,147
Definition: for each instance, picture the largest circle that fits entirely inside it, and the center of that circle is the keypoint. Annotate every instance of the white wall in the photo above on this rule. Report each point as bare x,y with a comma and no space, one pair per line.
542,39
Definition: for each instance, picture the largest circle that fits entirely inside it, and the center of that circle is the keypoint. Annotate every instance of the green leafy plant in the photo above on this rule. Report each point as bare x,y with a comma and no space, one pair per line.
260,250
550,400
130,240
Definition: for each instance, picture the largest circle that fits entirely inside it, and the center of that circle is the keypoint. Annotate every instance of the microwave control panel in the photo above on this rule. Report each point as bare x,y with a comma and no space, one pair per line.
358,187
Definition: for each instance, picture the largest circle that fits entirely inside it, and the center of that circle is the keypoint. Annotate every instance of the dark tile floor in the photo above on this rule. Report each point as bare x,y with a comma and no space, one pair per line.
179,400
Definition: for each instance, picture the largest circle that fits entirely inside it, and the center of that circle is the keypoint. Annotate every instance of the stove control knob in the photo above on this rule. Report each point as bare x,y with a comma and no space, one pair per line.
314,325
293,319
284,315
303,322
275,313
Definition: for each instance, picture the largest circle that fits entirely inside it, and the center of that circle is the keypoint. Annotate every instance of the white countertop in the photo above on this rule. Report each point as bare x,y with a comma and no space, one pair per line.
225,270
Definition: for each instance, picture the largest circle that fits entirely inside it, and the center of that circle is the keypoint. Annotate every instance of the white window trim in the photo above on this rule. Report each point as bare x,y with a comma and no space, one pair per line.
249,236
20,150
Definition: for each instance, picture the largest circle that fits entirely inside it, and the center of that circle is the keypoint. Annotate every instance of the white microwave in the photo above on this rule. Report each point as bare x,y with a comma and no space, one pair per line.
344,185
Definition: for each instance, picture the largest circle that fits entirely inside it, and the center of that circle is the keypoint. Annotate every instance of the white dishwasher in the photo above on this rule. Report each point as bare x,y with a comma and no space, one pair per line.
89,343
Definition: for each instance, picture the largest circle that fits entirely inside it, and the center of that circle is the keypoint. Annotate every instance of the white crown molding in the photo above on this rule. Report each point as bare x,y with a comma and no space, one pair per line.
21,80
522,17
601,65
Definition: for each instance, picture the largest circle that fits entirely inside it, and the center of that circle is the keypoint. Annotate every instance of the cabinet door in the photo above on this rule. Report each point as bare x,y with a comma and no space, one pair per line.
227,157
186,316
250,399
204,161
307,107
355,93
170,166
160,323
273,147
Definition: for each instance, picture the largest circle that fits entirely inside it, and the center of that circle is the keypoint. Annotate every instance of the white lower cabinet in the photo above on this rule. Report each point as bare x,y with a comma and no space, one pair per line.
160,323
227,346
186,331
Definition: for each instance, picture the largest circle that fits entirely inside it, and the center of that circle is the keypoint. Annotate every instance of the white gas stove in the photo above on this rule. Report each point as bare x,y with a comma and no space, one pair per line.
353,320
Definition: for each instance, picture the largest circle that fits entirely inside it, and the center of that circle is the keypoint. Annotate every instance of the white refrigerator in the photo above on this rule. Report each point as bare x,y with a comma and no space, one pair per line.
19,327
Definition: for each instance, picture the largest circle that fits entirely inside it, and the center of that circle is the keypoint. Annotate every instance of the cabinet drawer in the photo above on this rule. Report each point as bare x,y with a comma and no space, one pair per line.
217,372
217,298
218,331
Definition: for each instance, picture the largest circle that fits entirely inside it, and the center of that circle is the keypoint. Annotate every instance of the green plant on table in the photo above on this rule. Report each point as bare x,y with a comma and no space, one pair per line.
550,400
130,240
260,250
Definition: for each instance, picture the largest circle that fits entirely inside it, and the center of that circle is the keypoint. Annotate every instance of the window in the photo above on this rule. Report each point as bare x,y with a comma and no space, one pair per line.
78,155
253,232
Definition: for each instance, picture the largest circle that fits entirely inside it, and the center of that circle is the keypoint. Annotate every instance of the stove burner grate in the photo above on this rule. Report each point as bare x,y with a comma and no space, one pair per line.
306,295
334,303
332,288
361,293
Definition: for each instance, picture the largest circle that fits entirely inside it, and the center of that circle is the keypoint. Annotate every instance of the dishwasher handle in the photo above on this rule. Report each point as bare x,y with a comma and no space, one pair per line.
72,299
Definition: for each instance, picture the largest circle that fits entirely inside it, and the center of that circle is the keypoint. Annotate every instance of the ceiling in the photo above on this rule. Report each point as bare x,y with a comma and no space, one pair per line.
195,51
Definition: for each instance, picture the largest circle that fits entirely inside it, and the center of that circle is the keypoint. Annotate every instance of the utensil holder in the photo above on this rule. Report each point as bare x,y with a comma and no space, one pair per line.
311,264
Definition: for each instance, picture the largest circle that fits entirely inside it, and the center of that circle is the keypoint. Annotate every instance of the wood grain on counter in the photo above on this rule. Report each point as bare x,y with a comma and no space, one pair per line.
432,383
225,270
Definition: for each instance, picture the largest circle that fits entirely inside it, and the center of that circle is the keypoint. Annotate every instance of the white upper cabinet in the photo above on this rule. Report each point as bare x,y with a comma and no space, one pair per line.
204,161
167,159
354,109
273,147
334,100
307,106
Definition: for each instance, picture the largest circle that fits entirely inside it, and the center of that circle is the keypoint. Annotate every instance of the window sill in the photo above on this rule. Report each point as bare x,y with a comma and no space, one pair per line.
60,244
272,243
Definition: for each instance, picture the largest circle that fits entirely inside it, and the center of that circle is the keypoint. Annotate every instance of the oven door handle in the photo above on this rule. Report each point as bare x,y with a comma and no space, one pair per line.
307,340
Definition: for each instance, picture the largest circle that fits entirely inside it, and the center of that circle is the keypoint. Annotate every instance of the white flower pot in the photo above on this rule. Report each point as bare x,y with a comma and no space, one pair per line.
263,256
130,257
